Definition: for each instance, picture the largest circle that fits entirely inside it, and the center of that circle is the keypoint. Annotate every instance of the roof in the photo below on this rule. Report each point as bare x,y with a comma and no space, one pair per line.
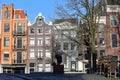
113,2
103,3
71,20
20,12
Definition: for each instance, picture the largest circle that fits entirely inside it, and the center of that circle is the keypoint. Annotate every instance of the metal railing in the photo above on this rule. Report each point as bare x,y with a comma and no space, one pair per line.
15,61
19,47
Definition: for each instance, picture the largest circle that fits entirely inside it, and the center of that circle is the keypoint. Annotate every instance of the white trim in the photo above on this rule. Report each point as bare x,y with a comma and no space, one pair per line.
116,20
37,17
113,8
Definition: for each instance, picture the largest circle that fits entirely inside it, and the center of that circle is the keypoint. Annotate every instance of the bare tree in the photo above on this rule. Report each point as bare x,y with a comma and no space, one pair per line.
88,13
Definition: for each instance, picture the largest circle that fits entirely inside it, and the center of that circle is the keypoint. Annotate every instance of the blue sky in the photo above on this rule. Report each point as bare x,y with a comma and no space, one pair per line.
33,7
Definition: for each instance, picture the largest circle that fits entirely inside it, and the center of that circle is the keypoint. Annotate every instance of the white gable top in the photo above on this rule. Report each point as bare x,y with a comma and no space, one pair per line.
29,24
40,14
50,23
65,25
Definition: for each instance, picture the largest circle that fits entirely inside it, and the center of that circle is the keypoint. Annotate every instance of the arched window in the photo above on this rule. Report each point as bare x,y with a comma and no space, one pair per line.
7,14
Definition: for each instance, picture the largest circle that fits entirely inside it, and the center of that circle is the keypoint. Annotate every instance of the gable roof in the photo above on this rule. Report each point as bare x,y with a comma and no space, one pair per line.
72,21
20,12
113,2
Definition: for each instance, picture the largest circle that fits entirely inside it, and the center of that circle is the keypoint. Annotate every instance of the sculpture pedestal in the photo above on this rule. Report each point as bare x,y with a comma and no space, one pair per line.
58,69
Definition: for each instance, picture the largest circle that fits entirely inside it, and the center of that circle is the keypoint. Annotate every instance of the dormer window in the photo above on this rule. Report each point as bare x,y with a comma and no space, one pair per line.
39,21
17,16
7,14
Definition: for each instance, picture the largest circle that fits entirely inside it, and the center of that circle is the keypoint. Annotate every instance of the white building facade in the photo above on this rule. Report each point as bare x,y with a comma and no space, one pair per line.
64,36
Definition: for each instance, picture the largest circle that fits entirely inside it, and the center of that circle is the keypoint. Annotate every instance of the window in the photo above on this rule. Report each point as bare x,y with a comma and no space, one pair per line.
39,30
65,46
31,31
47,41
31,70
6,27
19,57
6,56
32,41
102,53
32,53
57,36
40,65
17,16
47,30
40,22
39,41
113,20
19,28
19,42
6,41
73,33
32,64
40,69
114,40
101,29
7,14
66,34
40,53
102,41
47,65
48,54
58,46
73,46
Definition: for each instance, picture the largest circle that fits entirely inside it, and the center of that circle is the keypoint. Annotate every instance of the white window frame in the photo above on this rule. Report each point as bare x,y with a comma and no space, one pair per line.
39,41
31,53
49,30
48,53
17,16
111,19
6,42
64,46
40,53
32,42
6,52
47,41
103,54
117,40
103,42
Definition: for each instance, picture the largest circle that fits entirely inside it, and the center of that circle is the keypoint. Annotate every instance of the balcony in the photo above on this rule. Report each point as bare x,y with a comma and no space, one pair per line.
17,48
17,33
19,61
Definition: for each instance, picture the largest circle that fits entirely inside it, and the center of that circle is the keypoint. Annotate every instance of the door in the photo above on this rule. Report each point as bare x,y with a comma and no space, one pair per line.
73,65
